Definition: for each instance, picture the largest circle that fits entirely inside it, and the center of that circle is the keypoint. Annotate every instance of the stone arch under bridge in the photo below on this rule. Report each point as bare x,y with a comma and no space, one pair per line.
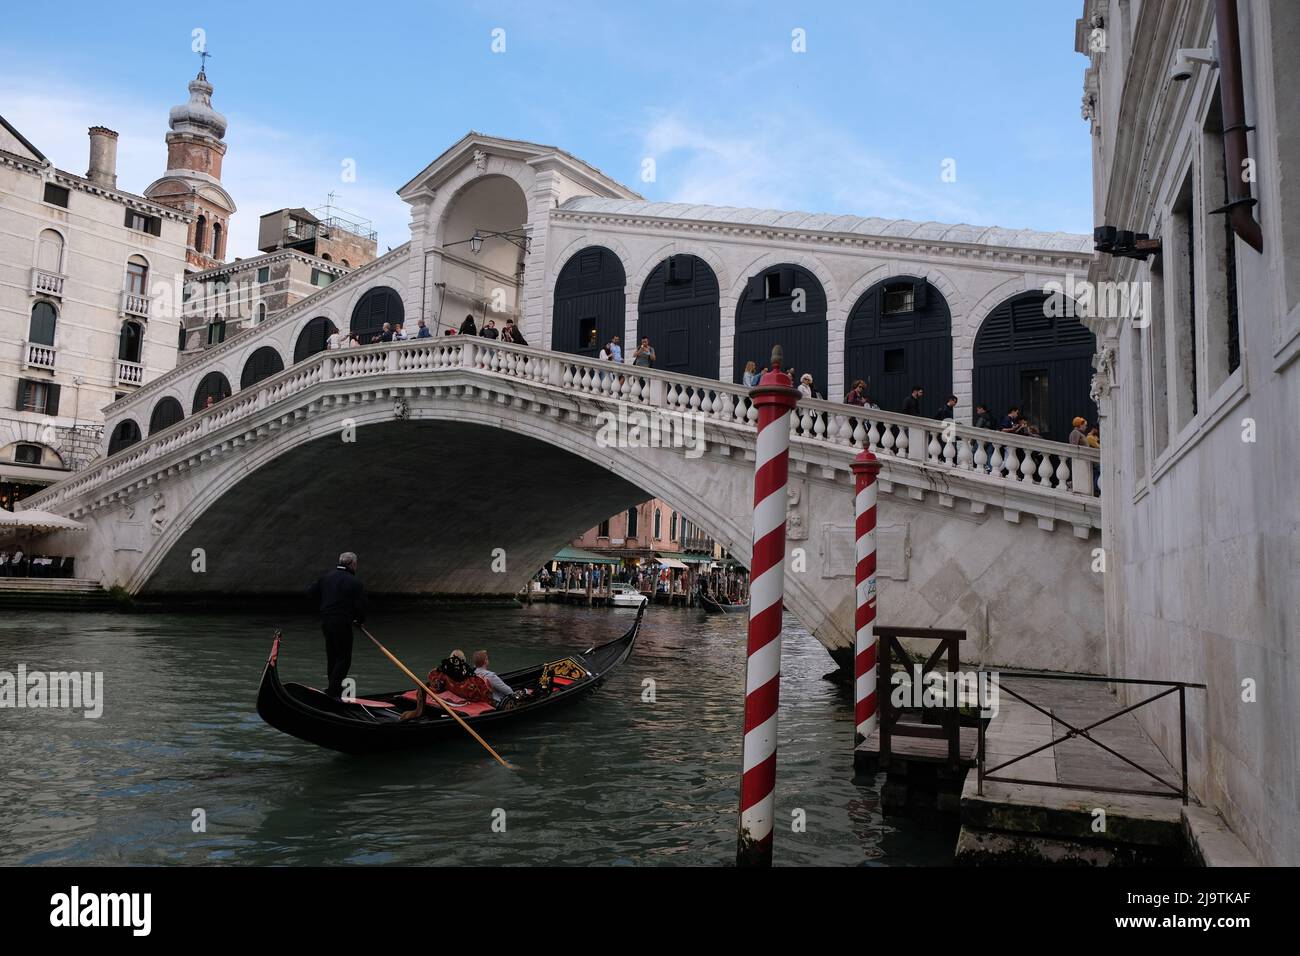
266,484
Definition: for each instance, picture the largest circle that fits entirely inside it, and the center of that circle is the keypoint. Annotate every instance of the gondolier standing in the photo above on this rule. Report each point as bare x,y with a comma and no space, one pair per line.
341,600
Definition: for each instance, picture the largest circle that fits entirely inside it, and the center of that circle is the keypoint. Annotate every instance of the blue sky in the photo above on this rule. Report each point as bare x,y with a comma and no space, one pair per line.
861,122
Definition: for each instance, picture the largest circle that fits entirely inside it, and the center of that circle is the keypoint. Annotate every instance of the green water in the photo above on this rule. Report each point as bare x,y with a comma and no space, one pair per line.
612,780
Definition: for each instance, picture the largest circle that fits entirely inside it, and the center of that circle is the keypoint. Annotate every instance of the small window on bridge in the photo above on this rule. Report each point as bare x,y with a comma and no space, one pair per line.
587,334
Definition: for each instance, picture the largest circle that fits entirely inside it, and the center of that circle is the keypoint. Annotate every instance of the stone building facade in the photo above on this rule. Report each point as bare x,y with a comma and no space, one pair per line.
87,310
1196,143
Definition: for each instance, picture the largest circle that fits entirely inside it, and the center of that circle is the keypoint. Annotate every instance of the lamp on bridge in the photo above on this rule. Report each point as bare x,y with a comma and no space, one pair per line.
520,239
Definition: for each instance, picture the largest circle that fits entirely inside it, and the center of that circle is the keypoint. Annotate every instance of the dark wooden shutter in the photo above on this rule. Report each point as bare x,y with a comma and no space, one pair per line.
52,402
127,219
757,291
23,386
787,282
919,295
155,225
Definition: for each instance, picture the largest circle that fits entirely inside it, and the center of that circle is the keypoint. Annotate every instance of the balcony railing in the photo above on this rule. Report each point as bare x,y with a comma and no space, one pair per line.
129,373
135,304
39,356
47,283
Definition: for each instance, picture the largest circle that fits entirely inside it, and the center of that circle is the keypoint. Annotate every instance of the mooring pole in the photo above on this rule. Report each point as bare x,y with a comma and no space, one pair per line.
865,470
775,398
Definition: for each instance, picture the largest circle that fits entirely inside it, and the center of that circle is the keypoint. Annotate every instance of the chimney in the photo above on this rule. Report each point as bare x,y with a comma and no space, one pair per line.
103,157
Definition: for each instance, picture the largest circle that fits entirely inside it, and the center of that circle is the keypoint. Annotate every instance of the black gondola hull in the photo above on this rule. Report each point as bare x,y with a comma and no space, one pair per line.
355,728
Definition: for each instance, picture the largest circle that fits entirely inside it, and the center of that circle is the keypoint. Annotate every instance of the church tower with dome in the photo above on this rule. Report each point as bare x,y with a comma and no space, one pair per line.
192,180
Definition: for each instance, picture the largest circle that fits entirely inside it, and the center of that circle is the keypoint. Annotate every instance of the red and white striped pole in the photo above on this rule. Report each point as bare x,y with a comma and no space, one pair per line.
775,398
865,470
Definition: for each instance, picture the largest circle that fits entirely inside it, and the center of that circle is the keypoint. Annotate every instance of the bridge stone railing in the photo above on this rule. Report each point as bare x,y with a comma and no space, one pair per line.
1035,469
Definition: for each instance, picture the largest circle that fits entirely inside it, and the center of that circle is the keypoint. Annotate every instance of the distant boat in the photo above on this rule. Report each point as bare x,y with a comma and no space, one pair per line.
624,595
714,606
373,724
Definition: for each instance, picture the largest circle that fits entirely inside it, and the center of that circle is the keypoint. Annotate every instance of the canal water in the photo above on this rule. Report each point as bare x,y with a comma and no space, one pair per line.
615,779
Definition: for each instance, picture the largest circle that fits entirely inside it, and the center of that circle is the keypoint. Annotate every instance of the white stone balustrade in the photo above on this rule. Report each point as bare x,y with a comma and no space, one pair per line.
133,304
1020,473
39,356
46,283
129,373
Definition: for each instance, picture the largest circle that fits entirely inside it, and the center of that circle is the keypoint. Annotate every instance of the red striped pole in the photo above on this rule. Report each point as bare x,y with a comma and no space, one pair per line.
865,469
775,398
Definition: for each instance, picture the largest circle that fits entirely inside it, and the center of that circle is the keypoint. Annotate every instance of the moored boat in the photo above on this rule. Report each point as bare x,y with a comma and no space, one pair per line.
714,606
373,723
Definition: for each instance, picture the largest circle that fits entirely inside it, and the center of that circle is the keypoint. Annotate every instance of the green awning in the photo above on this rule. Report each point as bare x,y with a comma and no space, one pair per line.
694,558
581,556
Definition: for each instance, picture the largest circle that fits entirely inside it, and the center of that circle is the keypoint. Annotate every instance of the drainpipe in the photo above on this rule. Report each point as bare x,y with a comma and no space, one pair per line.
1232,98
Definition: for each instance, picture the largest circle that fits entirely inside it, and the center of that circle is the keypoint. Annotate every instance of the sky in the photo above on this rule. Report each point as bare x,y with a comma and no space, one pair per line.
947,110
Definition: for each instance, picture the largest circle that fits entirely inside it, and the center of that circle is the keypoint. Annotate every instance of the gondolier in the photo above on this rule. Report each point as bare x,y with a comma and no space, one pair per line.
341,599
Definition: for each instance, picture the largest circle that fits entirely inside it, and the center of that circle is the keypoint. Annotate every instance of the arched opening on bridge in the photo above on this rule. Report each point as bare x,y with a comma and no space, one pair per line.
263,363
125,434
1027,355
590,305
899,335
213,387
381,304
783,305
483,254
165,414
678,311
313,338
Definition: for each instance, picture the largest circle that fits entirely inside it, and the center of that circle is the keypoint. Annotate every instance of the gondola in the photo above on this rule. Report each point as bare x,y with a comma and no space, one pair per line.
713,606
373,724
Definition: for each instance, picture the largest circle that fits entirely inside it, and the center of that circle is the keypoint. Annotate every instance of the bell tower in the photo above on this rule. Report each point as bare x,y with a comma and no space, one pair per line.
192,180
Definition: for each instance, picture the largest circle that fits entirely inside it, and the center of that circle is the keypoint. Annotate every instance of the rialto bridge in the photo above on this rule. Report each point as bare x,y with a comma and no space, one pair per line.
462,446
426,456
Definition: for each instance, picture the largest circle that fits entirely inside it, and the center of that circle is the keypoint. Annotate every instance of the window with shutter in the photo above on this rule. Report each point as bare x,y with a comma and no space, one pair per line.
56,195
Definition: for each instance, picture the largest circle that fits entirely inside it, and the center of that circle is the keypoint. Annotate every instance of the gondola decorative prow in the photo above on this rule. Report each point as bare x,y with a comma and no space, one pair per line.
275,648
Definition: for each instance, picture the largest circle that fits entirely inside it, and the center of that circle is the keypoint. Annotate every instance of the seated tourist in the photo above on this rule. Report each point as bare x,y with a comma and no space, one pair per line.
499,689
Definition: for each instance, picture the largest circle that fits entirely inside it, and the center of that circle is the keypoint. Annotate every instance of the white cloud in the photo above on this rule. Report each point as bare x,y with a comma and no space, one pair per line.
265,168
783,164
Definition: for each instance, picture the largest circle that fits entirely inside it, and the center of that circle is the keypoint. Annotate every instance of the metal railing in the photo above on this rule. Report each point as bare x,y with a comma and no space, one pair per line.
1168,789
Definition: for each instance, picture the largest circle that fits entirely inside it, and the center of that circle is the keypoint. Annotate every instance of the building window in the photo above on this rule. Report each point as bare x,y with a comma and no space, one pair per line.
1182,320
895,361
180,340
632,522
137,277
259,315
603,530
217,331
1138,389
898,297
1222,322
29,454
200,232
56,195
1156,346
587,334
49,255
40,331
659,531
39,397
264,275
216,240
141,223
320,278
672,527
130,343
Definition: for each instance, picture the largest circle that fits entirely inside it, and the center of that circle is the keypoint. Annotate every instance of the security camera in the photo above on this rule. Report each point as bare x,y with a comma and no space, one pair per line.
1187,57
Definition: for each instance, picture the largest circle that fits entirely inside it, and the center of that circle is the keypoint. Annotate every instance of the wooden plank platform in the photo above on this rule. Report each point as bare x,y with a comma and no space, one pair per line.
905,750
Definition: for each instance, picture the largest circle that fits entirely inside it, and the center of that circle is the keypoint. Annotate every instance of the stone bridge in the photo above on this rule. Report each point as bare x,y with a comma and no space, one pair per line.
427,456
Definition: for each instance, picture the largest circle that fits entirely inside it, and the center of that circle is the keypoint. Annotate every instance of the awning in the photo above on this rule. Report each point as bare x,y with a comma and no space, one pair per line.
40,522
673,563
695,558
31,474
581,556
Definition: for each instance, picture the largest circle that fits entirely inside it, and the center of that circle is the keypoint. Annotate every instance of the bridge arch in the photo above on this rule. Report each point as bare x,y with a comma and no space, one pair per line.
263,363
378,305
167,411
1042,362
899,334
766,315
125,434
590,302
679,309
213,386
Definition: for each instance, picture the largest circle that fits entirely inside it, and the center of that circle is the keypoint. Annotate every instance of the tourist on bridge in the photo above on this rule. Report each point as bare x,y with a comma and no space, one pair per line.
1079,436
644,354
490,330
946,410
857,394
424,332
335,340
341,599
806,386
983,418
468,327
750,378
398,334
385,334
512,333
912,404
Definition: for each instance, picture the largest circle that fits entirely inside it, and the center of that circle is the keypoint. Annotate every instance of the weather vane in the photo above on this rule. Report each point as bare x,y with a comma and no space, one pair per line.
203,60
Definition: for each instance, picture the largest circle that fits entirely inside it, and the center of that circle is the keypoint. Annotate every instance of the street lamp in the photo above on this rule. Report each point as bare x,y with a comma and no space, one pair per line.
520,239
